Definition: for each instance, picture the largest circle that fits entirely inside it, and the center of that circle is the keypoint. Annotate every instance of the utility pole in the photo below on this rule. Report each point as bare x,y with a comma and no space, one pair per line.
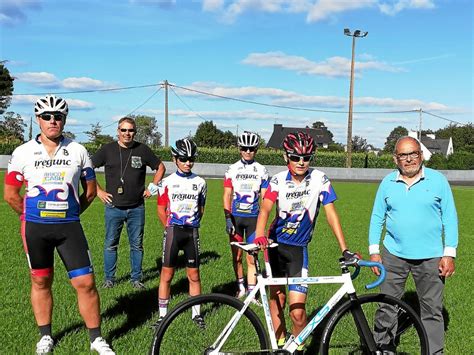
166,114
356,34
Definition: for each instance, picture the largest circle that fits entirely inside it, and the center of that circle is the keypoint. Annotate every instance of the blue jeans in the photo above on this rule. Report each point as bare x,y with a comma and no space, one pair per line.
114,220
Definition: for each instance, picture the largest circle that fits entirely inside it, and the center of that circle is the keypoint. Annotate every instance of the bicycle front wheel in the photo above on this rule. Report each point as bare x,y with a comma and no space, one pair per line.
178,333
394,326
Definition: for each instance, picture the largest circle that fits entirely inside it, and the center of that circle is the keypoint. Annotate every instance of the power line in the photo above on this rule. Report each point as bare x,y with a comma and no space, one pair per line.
88,91
444,118
283,106
185,104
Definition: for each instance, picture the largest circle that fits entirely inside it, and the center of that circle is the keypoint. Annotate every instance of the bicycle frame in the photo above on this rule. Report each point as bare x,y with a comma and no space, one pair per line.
262,282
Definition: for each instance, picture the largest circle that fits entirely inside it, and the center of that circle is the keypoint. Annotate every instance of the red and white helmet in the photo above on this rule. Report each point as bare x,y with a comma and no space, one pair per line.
248,139
51,103
299,143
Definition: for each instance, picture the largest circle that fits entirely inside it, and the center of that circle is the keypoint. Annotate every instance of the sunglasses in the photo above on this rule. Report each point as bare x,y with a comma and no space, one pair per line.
296,158
54,116
248,149
186,159
131,130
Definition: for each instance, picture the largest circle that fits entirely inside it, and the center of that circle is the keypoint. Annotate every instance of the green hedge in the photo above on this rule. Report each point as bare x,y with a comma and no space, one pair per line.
456,161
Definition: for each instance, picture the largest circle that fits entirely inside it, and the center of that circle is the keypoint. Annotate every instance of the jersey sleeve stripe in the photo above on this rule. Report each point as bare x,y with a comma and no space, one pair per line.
14,178
228,182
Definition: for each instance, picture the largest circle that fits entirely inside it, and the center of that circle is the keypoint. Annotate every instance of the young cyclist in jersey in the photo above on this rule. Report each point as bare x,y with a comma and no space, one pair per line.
52,167
181,200
298,193
244,183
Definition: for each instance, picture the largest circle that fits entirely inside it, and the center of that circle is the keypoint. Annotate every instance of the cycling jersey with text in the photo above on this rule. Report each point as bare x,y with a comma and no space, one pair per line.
52,184
297,205
246,180
184,195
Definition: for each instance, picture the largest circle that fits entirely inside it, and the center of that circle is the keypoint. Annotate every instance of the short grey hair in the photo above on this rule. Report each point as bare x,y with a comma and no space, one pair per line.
406,137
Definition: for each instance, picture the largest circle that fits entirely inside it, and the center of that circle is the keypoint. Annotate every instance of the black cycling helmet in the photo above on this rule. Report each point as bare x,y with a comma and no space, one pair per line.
184,148
299,143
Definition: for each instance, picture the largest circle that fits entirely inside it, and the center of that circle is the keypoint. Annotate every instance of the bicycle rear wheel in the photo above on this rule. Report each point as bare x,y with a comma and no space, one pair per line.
179,334
394,325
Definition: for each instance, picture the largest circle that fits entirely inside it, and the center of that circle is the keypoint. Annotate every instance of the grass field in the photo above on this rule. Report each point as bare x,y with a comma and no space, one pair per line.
127,313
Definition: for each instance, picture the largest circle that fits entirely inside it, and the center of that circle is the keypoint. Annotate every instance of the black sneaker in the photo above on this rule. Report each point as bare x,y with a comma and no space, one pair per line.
199,321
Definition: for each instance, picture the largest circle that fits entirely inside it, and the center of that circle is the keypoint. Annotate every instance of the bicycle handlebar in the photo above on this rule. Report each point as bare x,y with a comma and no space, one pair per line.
381,268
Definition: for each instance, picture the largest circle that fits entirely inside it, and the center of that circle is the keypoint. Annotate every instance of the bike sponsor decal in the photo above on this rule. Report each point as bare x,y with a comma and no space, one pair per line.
313,323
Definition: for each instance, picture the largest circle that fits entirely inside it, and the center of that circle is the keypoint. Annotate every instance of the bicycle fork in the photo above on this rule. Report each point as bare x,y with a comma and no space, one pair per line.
365,333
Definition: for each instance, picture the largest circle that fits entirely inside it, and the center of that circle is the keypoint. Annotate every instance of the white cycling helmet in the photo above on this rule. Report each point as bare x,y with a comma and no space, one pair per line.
51,103
248,139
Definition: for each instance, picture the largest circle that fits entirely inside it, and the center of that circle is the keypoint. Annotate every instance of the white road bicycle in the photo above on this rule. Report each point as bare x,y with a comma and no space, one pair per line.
368,324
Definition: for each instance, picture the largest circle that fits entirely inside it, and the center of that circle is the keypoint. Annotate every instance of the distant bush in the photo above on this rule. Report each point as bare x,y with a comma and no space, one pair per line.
458,161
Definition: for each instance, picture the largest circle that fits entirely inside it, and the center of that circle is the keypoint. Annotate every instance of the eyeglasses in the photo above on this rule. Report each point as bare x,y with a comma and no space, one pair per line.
131,130
55,116
412,155
296,158
248,149
186,159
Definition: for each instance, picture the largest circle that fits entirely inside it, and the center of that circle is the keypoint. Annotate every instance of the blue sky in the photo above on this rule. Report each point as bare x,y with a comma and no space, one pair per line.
418,54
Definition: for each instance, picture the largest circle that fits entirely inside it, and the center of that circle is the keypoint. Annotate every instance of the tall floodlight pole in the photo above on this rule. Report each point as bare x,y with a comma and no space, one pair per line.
166,114
354,35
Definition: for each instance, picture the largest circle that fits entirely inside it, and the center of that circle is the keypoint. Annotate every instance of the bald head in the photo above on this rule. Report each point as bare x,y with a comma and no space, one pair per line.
402,140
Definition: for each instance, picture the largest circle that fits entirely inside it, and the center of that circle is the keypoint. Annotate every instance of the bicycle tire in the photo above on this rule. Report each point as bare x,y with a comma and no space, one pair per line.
400,333
177,333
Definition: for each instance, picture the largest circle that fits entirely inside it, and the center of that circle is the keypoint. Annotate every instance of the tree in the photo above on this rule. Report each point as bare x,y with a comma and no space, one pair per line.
12,128
208,135
321,125
359,144
6,87
147,130
392,138
96,137
69,135
463,136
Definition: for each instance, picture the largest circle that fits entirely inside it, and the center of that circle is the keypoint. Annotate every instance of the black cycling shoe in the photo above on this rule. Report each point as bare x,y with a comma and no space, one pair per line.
199,321
157,323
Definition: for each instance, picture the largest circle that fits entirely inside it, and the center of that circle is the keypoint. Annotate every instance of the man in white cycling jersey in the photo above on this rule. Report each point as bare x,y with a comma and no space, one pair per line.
298,192
51,167
244,182
181,200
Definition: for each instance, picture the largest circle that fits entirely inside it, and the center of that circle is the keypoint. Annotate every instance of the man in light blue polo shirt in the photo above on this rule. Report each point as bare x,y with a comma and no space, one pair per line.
416,206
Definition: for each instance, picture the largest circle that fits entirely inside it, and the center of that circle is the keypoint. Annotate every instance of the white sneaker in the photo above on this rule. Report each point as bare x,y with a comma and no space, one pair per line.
241,293
101,346
45,345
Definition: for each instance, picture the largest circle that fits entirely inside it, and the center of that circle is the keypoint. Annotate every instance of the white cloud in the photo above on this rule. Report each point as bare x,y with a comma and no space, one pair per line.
12,12
331,67
82,83
212,5
72,103
323,9
393,9
41,79
48,80
315,10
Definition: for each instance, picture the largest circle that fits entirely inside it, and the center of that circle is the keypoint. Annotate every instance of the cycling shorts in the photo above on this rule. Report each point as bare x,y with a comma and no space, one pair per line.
244,228
40,240
289,261
178,238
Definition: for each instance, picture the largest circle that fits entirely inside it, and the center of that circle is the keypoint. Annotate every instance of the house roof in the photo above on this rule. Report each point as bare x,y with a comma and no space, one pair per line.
320,135
439,146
